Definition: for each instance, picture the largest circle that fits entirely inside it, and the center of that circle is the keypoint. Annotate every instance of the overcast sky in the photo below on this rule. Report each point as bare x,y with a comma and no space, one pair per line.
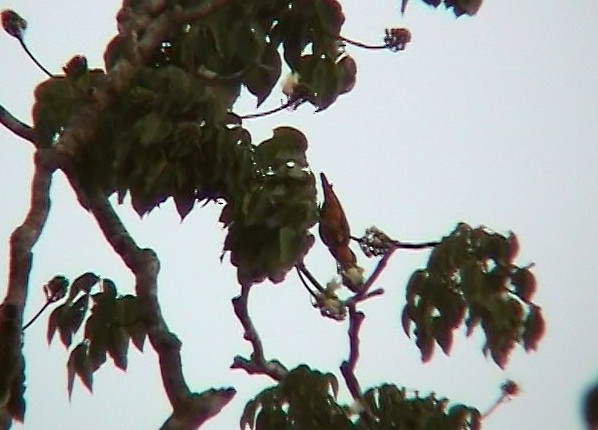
491,120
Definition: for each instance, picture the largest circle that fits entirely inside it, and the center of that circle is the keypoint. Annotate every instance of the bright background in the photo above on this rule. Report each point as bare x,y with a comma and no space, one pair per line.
491,120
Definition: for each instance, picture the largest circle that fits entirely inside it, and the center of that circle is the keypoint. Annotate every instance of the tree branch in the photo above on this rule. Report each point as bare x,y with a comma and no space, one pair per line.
22,241
16,126
189,409
348,367
257,363
145,266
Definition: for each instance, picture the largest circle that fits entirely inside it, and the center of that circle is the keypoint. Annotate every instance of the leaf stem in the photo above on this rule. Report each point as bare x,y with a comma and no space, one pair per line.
32,57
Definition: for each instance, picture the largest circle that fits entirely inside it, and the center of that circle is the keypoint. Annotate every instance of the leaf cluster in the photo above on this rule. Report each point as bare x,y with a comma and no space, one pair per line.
306,398
170,131
112,322
393,409
278,207
471,277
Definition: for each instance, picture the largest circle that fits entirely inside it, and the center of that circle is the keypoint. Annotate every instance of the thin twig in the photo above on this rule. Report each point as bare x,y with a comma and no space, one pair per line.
37,315
16,126
293,102
301,267
502,399
348,367
30,55
314,295
405,245
376,273
257,363
422,245
360,44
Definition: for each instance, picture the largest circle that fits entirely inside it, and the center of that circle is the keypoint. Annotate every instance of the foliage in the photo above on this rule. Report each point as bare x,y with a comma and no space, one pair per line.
113,321
306,398
162,125
471,276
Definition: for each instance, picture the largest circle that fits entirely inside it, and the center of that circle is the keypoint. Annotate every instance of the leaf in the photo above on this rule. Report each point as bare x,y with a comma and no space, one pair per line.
78,364
406,321
271,418
109,288
83,284
130,319
261,78
534,328
54,320
425,343
444,337
469,7
152,129
75,314
118,346
333,382
66,335
248,415
184,201
525,284
331,16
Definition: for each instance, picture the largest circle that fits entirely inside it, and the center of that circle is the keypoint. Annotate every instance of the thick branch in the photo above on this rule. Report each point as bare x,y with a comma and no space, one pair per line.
145,266
16,126
190,410
257,363
22,241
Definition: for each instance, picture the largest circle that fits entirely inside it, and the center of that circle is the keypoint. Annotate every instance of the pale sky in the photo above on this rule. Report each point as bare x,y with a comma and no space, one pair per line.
491,120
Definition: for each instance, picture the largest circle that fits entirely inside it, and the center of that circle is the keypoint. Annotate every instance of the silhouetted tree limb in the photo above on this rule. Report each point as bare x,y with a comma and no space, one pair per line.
22,241
145,266
257,362
347,368
16,126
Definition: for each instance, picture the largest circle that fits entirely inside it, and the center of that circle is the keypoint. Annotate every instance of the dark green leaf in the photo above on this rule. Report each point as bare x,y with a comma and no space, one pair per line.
109,288
331,16
77,312
248,415
184,201
83,284
54,321
261,78
271,418
130,319
66,335
79,364
118,346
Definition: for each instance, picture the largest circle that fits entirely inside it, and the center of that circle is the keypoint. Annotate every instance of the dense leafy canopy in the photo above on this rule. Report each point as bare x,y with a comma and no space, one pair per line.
168,130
